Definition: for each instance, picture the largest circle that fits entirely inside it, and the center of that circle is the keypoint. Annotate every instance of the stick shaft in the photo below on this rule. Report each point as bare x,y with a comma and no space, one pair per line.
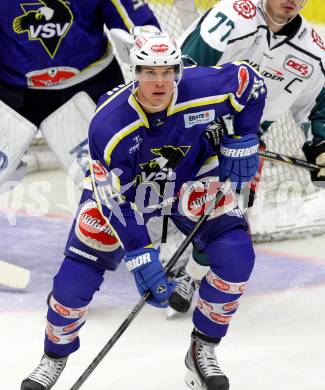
289,160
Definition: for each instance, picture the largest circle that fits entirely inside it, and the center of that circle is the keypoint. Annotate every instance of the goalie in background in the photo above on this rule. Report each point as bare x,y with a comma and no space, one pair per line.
56,62
277,41
149,158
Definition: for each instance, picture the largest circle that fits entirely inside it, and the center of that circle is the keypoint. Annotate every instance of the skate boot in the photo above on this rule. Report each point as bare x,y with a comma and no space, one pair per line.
204,372
181,298
45,375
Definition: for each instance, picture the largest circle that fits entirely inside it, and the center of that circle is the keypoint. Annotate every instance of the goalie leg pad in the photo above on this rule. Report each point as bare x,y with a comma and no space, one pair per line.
73,289
225,282
66,132
16,134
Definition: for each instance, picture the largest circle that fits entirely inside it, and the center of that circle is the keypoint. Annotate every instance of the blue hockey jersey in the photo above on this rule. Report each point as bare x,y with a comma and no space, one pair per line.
46,42
140,162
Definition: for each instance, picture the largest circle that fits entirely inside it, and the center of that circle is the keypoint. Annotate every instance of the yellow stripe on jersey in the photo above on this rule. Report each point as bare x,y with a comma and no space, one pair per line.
123,14
110,98
118,137
205,101
209,164
136,106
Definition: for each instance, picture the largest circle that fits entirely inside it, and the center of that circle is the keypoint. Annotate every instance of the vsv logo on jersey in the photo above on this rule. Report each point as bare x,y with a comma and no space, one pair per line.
298,67
199,118
45,20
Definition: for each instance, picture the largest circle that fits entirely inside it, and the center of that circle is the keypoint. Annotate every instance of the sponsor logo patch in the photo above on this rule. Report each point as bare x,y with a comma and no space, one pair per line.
100,172
195,199
245,8
199,118
298,67
243,80
92,229
50,76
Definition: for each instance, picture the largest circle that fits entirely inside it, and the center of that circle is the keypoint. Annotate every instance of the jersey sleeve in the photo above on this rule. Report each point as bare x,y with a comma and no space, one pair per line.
207,39
246,96
111,185
125,14
311,107
317,117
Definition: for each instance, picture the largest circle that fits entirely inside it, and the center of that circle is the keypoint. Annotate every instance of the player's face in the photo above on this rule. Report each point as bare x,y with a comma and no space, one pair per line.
156,85
282,10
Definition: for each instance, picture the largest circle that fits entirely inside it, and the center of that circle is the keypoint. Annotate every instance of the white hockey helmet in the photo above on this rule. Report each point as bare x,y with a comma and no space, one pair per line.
155,49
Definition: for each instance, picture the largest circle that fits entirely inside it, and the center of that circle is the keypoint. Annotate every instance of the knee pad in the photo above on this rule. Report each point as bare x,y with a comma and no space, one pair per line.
76,282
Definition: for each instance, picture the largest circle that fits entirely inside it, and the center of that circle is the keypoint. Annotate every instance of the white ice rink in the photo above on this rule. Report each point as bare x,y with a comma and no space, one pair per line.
276,342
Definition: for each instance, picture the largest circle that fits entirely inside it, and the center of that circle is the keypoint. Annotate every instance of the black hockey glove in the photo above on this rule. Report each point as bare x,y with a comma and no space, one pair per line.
214,133
315,154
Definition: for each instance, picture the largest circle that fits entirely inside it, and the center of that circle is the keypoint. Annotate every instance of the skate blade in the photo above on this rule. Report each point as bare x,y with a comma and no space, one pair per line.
170,312
193,382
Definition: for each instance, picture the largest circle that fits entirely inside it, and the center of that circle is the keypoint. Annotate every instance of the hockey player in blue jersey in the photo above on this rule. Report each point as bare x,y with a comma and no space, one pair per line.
55,62
149,157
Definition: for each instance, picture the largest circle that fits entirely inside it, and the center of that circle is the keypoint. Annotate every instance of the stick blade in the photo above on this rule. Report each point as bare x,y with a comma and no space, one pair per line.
13,276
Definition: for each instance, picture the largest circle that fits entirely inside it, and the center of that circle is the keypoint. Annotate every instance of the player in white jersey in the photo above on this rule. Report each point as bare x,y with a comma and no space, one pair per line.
275,39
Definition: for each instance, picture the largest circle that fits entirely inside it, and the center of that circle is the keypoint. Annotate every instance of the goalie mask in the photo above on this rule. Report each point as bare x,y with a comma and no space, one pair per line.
155,49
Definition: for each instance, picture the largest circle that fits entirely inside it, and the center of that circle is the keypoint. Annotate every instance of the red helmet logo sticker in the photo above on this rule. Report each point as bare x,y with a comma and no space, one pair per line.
317,39
162,48
243,80
245,8
92,229
140,41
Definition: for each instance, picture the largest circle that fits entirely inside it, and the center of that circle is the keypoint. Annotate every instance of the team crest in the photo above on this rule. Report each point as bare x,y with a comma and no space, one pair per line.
317,39
160,169
245,8
47,21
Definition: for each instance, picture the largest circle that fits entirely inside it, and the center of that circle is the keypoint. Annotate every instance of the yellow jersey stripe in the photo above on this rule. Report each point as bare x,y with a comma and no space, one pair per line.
123,14
110,98
205,101
118,137
136,106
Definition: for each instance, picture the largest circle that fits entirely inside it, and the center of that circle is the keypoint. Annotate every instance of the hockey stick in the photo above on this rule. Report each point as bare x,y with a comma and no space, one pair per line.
138,307
13,276
289,160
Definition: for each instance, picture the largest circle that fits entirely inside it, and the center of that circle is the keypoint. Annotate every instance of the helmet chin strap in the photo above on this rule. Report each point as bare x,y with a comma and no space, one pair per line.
264,9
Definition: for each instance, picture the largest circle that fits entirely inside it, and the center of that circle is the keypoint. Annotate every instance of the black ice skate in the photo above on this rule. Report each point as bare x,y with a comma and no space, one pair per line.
204,372
45,375
181,298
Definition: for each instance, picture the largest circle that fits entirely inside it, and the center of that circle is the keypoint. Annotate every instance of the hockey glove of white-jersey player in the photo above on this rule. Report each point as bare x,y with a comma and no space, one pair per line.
149,275
315,154
239,159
